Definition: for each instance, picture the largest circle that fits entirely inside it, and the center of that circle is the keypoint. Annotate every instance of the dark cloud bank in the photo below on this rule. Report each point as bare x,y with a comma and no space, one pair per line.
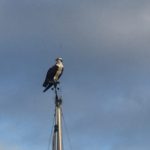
105,86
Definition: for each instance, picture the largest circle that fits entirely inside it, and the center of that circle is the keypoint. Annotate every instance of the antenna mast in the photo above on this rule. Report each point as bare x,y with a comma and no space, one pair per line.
57,135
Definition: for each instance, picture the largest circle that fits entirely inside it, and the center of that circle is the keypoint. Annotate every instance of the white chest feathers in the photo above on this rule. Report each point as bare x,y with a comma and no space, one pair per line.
59,71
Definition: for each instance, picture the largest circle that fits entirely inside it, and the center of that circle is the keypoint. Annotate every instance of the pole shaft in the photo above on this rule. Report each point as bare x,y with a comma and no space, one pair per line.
54,142
59,123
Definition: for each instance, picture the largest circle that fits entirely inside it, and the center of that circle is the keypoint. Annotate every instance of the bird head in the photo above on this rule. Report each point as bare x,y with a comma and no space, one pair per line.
59,59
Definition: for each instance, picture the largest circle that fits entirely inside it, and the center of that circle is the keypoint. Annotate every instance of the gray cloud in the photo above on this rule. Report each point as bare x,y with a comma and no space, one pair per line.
105,86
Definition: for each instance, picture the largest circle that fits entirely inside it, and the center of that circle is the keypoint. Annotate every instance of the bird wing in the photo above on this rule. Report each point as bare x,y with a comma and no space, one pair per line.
50,75
51,72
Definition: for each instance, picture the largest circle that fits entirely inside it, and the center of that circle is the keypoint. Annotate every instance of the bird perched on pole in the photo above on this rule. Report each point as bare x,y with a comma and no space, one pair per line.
54,73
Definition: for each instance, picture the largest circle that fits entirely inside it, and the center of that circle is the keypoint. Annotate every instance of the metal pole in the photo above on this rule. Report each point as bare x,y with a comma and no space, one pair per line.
54,145
57,136
58,121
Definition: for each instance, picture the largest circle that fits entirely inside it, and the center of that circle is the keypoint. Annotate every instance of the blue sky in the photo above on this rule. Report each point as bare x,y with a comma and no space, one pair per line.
105,86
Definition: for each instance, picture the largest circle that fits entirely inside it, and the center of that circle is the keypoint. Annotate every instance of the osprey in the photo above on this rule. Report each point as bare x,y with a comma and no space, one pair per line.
53,74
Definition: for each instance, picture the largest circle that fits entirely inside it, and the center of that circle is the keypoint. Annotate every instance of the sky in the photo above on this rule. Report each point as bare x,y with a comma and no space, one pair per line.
105,46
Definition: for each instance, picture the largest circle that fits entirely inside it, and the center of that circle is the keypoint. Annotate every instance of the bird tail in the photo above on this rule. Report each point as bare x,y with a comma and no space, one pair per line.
47,87
46,82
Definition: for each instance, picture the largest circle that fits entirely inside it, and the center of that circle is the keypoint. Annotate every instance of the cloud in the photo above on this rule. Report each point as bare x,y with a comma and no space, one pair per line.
105,86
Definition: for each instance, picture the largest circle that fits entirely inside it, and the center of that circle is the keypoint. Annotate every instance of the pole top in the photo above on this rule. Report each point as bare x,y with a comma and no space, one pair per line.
58,101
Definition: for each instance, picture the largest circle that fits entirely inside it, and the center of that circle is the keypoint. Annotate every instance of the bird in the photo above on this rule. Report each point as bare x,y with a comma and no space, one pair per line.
54,73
